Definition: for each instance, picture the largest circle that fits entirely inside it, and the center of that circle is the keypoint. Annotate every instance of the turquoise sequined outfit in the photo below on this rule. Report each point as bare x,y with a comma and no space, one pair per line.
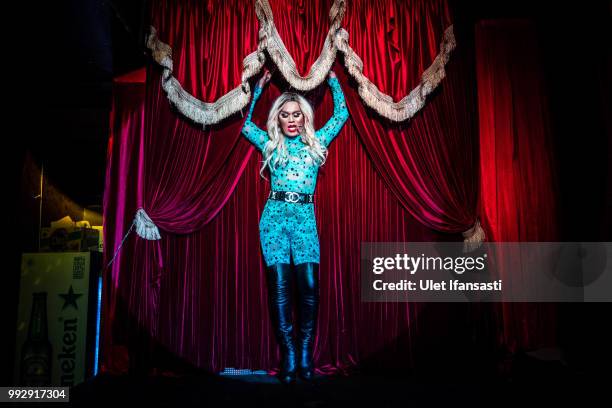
290,229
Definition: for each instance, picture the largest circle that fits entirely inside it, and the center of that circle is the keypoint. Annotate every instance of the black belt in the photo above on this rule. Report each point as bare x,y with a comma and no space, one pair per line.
291,197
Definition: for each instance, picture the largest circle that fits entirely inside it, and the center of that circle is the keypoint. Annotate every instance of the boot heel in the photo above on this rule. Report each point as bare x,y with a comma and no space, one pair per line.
288,371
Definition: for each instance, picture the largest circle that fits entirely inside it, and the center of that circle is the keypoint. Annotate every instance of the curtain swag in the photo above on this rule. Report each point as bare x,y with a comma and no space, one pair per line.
337,39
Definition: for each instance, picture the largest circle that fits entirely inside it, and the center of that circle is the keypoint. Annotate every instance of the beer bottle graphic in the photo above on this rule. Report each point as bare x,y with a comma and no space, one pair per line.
36,350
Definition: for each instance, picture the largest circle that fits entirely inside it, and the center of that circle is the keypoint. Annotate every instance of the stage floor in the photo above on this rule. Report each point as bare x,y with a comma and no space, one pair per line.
532,382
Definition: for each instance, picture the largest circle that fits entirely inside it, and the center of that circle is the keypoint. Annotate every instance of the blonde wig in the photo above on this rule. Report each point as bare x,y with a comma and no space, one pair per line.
276,143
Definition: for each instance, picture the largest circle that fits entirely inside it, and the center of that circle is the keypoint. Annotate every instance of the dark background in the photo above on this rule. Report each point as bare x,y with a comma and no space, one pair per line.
63,56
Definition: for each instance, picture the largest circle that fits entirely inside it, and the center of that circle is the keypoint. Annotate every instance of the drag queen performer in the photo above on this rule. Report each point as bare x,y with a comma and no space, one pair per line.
293,152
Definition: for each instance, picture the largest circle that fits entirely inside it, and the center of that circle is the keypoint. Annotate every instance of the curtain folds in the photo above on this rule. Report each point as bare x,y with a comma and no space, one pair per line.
431,163
518,190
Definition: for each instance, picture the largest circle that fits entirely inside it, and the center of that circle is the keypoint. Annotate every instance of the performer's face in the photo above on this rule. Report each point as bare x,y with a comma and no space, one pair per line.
291,119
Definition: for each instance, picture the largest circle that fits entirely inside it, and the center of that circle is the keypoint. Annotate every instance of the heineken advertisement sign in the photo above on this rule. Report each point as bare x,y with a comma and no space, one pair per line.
55,322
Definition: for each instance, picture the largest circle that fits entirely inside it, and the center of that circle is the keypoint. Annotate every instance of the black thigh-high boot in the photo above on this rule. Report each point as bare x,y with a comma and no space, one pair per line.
280,280
307,275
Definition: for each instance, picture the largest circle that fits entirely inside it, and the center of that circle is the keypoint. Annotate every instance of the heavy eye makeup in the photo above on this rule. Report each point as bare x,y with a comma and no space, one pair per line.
285,115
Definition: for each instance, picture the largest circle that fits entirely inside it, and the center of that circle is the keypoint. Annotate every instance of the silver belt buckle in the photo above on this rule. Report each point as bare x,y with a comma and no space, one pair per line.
292,197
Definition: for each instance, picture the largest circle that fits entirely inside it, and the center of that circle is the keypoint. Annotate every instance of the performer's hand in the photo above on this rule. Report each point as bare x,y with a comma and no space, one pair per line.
332,74
264,79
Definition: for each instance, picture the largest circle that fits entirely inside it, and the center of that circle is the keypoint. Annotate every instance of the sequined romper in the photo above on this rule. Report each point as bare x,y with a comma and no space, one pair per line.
289,229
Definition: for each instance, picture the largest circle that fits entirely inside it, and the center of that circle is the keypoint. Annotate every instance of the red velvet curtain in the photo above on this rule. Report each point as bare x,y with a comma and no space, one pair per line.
517,161
120,202
430,162
199,293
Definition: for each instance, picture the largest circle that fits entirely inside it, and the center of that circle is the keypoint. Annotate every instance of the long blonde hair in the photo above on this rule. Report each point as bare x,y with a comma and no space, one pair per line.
314,148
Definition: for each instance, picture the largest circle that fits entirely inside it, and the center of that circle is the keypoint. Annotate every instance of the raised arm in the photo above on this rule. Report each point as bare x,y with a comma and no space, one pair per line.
250,130
333,126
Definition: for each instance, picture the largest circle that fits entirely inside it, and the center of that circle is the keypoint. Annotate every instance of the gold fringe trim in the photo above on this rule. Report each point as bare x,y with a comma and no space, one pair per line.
193,108
474,237
270,39
382,103
337,39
